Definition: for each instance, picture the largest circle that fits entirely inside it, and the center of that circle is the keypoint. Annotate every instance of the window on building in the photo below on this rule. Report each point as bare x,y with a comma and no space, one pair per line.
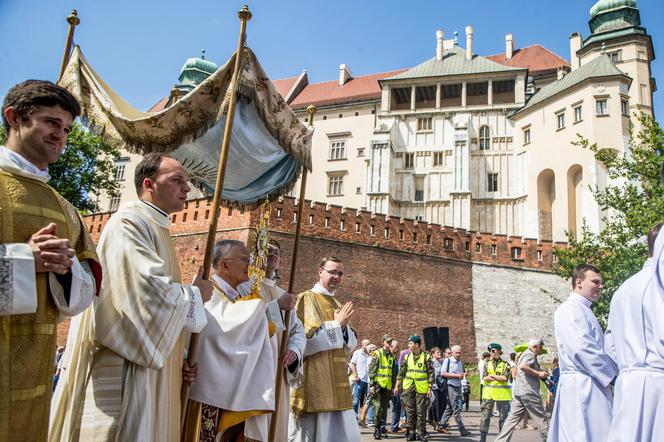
448,243
311,219
400,235
624,107
357,227
478,247
419,218
477,93
119,171
419,188
327,221
335,185
492,182
494,249
424,124
555,258
451,95
114,203
409,160
526,136
425,97
578,114
429,239
560,120
386,232
601,107
485,138
342,225
615,56
360,152
278,213
516,253
400,99
539,255
337,150
438,159
358,190
503,91
414,236
372,230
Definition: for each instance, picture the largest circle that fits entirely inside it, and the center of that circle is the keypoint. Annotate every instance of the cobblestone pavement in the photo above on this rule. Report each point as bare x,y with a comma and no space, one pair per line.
471,420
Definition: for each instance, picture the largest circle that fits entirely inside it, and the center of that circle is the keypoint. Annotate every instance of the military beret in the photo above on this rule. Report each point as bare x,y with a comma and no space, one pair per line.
415,339
494,346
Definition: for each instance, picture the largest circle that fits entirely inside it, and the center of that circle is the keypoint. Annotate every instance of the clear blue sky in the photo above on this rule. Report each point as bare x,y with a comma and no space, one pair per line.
139,46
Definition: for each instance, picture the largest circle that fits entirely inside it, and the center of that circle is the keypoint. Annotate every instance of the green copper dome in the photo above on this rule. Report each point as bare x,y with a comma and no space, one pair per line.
607,5
194,71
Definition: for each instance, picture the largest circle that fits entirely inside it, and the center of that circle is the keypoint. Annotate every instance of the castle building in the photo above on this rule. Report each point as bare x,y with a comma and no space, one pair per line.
482,143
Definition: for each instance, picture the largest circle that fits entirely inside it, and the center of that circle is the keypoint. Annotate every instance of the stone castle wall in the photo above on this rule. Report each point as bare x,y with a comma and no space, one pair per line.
403,275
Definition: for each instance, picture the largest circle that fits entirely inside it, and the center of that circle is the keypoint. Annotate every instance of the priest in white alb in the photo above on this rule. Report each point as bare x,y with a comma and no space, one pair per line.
635,339
124,363
237,358
257,427
322,406
582,410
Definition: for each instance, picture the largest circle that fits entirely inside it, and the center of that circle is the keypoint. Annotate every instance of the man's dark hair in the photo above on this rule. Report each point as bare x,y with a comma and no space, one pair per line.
652,236
327,259
147,168
26,97
579,272
486,355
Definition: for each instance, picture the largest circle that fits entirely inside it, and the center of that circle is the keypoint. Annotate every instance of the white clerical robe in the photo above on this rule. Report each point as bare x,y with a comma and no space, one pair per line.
635,339
124,357
236,361
582,410
258,427
334,426
18,282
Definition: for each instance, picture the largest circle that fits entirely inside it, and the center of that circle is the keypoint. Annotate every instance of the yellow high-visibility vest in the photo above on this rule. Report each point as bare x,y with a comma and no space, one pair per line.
497,390
383,375
416,371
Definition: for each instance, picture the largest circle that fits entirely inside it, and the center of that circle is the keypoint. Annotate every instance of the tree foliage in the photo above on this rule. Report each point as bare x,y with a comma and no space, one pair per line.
633,202
85,169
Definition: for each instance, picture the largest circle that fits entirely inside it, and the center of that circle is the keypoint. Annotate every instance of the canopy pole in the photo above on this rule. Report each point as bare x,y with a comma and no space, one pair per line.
283,345
245,15
73,21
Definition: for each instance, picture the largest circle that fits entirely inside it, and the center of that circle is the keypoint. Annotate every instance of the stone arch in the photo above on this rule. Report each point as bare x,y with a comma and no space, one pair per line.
574,198
546,195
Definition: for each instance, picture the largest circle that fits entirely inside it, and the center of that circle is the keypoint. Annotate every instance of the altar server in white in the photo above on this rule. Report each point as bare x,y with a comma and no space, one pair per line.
582,411
635,339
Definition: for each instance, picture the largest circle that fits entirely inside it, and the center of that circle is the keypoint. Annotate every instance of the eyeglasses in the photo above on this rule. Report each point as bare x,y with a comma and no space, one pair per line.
334,273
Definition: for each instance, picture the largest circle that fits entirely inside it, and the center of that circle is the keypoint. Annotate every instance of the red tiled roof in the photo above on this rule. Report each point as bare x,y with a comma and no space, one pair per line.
536,58
329,92
284,85
159,106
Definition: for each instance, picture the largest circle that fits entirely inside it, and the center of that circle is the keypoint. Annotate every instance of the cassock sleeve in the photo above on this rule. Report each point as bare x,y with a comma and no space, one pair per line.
584,349
18,284
79,292
328,336
142,311
297,342
273,313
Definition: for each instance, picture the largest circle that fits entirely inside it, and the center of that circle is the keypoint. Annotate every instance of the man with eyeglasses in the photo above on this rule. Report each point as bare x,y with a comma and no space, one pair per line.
237,359
322,406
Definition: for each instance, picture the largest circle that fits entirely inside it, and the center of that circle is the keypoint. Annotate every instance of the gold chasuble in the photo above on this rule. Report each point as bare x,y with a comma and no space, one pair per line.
325,386
27,341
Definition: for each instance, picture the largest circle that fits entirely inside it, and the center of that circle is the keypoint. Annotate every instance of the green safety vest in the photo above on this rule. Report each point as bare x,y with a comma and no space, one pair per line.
497,390
416,371
383,375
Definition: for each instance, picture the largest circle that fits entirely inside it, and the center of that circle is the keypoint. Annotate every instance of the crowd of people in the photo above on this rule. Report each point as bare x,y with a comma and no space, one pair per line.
121,373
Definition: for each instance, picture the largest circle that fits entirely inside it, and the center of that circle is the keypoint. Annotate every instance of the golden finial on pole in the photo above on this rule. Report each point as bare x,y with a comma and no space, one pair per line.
244,14
73,21
175,95
311,110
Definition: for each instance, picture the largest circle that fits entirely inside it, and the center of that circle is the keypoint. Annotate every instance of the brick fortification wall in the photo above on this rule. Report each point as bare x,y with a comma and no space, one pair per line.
403,275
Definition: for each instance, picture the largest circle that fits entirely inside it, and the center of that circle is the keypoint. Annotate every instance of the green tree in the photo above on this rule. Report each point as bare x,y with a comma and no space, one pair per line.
84,170
633,201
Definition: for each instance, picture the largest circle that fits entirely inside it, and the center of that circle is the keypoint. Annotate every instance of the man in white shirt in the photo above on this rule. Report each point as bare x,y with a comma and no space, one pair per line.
359,366
582,410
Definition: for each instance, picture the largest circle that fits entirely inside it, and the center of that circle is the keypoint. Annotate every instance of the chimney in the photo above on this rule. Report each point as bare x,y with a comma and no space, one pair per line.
439,45
561,72
509,46
469,42
344,74
575,44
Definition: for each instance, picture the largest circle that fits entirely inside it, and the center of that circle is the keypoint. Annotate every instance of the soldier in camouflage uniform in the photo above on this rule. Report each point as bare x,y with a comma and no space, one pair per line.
415,378
382,377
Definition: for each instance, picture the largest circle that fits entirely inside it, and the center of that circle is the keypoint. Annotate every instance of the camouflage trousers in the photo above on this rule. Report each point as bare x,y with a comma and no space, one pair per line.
416,409
381,404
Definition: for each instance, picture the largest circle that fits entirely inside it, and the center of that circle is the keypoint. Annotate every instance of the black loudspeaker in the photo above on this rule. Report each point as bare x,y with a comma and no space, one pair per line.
436,337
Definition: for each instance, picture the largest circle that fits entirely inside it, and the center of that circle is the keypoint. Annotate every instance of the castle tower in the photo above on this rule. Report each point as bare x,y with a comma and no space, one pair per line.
616,30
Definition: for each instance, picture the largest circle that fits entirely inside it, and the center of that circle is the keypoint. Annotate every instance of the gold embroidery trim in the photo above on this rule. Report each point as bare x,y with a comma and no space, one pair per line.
27,394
